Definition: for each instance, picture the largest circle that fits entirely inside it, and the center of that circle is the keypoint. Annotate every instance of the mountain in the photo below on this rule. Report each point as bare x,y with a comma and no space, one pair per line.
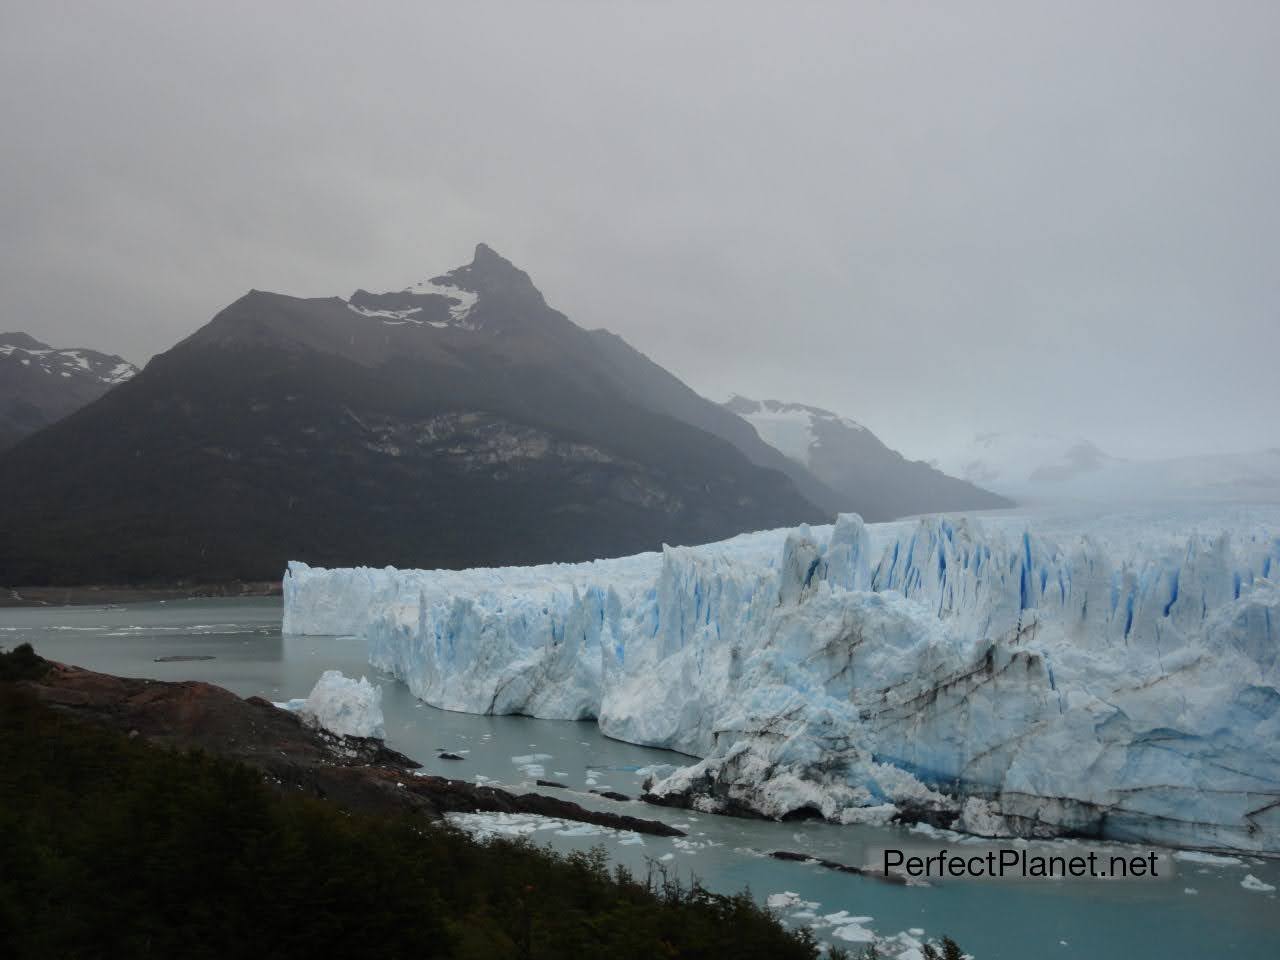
1049,468
869,477
459,422
1019,463
654,387
40,384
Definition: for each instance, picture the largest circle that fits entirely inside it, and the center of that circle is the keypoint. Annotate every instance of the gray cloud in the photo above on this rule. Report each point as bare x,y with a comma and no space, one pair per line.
1048,216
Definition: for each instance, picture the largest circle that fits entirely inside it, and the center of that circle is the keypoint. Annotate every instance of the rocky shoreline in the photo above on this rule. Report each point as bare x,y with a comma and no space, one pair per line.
357,773
103,594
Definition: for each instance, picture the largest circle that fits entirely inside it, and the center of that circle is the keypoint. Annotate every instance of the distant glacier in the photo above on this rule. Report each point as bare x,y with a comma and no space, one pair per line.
1111,676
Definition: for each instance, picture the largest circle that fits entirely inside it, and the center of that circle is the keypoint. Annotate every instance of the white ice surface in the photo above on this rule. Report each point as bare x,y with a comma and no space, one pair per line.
1034,675
341,705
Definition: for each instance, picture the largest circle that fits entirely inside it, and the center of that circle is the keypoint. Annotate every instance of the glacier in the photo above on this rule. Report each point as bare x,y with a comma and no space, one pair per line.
1113,676
341,705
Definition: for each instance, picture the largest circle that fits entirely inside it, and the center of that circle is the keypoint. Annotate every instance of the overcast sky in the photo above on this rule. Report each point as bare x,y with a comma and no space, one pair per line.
935,218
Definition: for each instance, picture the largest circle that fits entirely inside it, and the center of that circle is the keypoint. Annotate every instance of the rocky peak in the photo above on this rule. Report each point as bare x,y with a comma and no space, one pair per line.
489,273
489,293
21,340
741,405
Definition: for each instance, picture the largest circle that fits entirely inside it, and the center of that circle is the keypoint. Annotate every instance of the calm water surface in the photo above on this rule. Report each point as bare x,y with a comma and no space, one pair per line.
1098,920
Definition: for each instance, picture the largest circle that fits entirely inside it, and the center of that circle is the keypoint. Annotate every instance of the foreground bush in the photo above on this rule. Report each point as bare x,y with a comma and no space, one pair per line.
110,848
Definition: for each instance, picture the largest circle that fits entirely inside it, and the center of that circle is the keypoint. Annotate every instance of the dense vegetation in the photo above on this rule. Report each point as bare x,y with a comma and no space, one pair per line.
115,848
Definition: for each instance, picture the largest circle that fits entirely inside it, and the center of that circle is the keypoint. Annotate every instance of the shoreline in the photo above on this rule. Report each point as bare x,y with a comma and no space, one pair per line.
357,773
102,594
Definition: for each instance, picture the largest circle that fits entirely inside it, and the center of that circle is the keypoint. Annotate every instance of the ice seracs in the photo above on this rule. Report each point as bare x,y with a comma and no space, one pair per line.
341,705
1114,677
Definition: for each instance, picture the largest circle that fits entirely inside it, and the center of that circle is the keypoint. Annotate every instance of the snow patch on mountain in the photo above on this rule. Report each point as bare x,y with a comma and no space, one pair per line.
865,474
400,316
405,308
789,427
1113,676
463,301
71,363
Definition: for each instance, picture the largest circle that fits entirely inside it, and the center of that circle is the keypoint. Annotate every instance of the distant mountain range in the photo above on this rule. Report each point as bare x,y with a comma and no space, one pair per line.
40,384
867,476
1048,468
458,422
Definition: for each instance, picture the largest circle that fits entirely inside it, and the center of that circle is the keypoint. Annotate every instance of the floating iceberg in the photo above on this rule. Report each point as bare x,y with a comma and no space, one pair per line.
349,708
1115,678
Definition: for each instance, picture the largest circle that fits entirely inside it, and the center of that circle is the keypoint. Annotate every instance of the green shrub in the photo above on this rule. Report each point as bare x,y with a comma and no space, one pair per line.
21,663
113,848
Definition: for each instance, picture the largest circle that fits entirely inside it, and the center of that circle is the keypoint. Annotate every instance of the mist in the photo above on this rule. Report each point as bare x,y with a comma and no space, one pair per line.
1045,217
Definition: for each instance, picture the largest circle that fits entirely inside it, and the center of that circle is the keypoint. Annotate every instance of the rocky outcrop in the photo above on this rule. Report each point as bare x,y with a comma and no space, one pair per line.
358,773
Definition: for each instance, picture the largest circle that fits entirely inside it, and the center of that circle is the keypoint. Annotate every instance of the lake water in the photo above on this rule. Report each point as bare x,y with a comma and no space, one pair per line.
1066,919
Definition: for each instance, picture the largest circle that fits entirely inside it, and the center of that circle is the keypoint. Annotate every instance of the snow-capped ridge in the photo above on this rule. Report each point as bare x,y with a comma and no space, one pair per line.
792,428
856,465
67,363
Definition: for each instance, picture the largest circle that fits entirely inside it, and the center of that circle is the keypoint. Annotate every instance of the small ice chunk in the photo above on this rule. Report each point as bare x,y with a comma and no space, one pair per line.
531,764
579,830
1250,882
1212,859
852,930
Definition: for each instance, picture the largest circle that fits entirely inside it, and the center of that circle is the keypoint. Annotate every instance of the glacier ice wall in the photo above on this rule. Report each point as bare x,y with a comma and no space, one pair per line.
1114,677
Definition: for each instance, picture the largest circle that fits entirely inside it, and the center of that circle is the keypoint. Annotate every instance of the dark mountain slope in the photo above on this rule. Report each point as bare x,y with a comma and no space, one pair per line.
461,422
654,387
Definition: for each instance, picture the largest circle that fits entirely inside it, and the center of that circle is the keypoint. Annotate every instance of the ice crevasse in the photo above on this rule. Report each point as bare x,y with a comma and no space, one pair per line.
1002,676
